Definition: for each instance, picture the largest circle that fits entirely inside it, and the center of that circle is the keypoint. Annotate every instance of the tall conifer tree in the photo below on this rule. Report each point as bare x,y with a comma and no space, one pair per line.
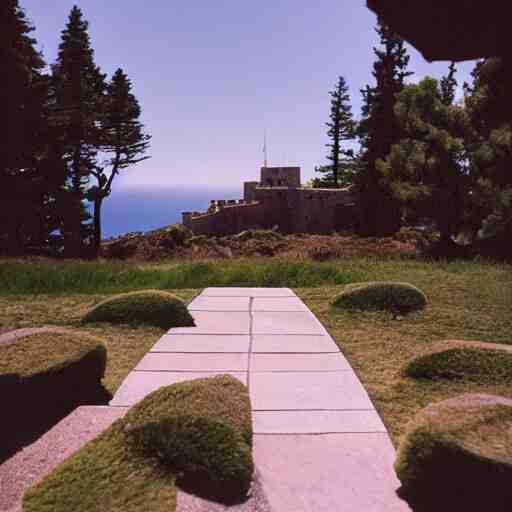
122,139
27,183
340,128
378,131
448,85
79,89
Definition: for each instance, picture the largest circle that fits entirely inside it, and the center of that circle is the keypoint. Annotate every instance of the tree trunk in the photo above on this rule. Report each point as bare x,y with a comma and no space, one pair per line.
97,225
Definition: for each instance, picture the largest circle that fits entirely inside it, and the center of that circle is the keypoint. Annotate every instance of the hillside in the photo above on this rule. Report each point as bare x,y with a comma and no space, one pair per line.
177,242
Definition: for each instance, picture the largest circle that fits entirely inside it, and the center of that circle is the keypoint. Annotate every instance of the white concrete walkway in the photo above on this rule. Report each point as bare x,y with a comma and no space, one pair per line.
319,443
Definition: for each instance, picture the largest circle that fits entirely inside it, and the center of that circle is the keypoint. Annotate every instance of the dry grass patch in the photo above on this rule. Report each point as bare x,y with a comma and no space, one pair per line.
466,301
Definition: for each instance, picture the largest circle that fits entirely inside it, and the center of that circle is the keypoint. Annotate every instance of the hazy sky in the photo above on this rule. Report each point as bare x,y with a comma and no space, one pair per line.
212,75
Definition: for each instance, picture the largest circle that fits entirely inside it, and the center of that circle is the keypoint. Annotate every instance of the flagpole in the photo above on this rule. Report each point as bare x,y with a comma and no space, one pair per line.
265,148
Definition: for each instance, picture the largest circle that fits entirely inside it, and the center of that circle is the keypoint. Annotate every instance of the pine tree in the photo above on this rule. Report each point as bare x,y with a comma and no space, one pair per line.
490,147
340,128
426,170
78,102
378,131
122,138
27,184
448,85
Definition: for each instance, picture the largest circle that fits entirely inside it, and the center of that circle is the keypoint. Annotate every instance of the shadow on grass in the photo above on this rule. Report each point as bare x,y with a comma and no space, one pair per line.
26,417
472,487
200,484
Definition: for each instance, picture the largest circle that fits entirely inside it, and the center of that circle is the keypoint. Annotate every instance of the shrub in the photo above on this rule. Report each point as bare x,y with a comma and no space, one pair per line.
456,455
396,297
481,362
153,307
47,356
43,376
197,431
205,429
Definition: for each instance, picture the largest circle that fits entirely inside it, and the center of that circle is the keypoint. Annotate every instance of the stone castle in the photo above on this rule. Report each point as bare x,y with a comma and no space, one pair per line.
278,199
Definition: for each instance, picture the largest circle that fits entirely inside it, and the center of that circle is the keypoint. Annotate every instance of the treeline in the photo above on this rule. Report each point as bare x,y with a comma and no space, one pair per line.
68,132
425,158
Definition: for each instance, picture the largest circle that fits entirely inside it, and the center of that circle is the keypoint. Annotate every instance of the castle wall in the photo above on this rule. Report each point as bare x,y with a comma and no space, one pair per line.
293,210
228,220
278,200
306,210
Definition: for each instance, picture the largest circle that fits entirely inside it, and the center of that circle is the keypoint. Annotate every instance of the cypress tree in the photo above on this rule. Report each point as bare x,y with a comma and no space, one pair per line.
378,131
78,88
340,128
122,139
27,184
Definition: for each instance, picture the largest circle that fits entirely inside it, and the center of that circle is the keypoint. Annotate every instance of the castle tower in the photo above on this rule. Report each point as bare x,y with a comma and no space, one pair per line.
280,177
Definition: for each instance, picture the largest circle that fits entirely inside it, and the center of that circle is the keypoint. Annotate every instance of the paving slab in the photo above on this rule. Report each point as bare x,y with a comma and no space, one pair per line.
278,304
200,343
328,473
286,323
140,384
298,362
216,322
166,362
32,463
307,390
288,344
213,303
248,292
317,422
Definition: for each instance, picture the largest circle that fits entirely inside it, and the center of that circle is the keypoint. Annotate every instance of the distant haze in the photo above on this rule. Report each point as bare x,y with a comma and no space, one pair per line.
211,76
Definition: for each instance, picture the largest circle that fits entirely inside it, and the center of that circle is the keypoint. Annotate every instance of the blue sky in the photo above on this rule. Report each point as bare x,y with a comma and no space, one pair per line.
212,76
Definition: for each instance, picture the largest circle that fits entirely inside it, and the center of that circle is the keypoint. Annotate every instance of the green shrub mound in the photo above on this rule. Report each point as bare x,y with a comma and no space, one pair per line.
196,433
395,297
43,376
454,360
457,455
152,307
46,355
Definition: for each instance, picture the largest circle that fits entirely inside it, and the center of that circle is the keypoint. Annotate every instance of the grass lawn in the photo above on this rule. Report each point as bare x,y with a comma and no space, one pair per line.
466,300
126,345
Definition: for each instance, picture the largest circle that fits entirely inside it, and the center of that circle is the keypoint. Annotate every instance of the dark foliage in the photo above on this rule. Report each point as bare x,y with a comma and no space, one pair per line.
378,131
31,176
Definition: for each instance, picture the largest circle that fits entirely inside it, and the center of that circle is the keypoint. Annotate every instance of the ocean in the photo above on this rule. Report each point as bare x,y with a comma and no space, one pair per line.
145,208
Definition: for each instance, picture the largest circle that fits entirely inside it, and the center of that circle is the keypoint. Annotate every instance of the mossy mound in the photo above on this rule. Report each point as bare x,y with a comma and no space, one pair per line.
196,433
45,354
484,363
152,307
43,376
390,296
457,455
